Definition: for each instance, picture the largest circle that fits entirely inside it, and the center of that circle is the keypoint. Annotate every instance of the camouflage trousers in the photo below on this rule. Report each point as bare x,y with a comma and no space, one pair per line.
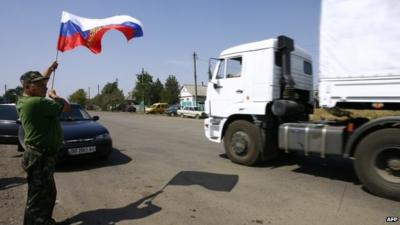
42,190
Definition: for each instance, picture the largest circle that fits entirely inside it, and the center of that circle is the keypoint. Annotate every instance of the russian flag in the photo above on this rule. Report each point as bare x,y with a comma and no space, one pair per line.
77,30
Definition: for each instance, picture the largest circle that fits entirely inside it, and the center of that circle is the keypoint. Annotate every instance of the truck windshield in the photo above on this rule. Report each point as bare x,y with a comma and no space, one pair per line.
220,69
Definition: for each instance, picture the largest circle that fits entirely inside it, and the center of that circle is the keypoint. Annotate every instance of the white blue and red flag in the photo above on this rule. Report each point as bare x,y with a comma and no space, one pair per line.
76,31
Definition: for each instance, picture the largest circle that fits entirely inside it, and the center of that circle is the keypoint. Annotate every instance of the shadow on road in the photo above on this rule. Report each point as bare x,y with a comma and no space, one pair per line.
142,208
10,182
335,168
17,155
224,156
210,181
115,158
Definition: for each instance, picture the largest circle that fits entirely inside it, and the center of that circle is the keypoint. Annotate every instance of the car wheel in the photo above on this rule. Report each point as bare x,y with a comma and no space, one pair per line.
242,142
20,148
182,115
377,162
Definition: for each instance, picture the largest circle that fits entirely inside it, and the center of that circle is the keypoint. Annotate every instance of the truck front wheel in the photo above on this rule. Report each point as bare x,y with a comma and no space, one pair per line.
377,162
242,142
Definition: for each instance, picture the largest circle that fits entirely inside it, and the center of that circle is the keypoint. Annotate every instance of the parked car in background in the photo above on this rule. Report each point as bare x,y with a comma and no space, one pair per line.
8,124
192,111
83,136
156,108
172,110
129,108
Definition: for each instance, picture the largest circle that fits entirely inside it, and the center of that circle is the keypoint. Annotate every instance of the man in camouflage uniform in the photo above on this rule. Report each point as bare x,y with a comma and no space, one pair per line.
43,138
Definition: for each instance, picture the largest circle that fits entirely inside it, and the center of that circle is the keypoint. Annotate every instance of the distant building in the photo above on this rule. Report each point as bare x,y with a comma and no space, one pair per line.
130,99
187,95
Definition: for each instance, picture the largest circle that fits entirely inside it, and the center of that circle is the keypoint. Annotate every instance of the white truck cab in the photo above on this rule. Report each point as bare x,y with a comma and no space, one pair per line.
246,78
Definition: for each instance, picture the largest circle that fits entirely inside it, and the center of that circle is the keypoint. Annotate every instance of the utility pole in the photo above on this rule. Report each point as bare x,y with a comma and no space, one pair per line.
98,89
141,81
195,78
89,93
5,88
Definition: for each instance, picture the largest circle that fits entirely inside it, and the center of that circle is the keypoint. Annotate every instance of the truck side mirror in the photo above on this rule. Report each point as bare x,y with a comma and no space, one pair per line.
216,86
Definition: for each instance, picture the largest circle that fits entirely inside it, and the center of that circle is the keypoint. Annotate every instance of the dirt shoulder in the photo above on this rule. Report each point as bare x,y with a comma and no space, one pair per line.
12,186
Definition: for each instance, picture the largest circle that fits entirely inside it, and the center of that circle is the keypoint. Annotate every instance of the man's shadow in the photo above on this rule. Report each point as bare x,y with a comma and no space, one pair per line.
142,208
10,182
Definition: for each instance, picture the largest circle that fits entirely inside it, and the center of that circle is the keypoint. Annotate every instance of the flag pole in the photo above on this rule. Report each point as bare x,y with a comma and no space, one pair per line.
54,73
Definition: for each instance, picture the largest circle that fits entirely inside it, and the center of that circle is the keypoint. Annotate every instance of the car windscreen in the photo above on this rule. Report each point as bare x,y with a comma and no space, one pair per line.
8,112
76,113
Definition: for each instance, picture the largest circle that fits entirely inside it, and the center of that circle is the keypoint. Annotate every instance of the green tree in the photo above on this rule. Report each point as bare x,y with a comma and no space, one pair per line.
12,94
143,87
96,101
171,90
111,97
157,90
79,97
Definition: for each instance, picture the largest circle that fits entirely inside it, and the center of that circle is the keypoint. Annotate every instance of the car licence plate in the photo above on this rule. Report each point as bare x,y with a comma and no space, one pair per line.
81,150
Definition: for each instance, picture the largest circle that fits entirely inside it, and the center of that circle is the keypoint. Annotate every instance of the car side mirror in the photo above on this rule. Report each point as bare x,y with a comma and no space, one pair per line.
95,118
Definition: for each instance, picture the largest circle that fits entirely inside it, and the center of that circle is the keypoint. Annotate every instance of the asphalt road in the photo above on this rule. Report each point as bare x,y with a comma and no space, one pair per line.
164,171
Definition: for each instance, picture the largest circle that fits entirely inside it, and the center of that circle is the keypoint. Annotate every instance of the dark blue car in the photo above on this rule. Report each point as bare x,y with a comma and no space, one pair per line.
8,124
172,110
83,136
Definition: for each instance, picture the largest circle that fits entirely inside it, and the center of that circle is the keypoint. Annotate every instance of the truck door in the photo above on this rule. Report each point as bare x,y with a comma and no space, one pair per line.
227,87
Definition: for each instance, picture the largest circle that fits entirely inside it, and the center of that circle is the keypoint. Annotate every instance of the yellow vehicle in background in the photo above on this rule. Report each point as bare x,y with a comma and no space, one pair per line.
156,108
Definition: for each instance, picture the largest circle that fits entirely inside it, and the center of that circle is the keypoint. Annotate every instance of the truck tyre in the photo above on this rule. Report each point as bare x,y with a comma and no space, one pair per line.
377,162
242,142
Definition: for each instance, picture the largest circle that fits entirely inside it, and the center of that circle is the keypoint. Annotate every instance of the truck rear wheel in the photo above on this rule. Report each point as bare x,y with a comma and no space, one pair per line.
242,142
377,162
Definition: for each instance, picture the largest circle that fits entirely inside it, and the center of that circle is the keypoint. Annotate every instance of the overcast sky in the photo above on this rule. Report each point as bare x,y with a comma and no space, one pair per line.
173,30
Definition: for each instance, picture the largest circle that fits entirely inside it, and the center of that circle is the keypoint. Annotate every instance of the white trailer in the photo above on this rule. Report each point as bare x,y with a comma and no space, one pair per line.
260,94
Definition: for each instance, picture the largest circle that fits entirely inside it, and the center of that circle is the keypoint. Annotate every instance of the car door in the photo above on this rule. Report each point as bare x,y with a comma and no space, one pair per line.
227,87
8,124
189,112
